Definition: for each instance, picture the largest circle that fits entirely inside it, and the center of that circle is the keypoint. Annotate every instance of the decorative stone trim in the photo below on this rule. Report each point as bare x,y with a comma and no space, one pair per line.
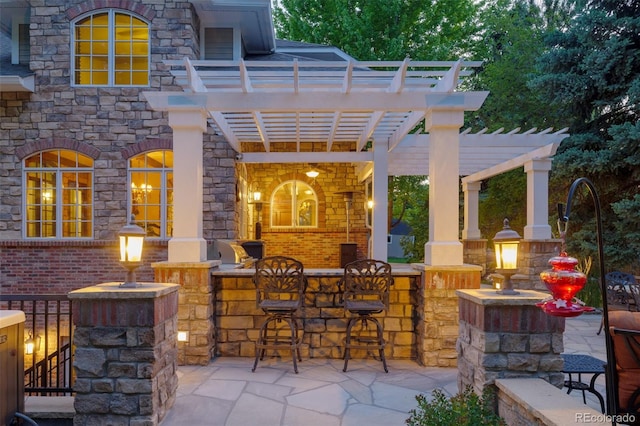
143,10
146,145
57,143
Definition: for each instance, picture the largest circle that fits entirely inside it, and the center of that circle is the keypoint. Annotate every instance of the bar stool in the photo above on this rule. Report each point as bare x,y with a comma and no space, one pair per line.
366,292
280,285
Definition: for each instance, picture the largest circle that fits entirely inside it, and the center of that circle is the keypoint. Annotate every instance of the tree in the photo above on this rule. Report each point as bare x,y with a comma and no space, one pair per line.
591,75
381,29
512,38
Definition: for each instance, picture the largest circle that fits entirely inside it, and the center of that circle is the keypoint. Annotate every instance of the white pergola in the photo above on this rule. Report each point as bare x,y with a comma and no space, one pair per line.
350,112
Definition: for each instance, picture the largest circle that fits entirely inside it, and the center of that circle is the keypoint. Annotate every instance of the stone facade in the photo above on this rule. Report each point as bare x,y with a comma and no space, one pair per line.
109,124
324,320
507,337
125,359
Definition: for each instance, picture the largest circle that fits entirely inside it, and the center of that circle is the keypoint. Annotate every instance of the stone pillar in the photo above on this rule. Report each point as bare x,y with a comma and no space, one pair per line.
444,247
125,359
534,258
475,253
196,307
507,337
437,311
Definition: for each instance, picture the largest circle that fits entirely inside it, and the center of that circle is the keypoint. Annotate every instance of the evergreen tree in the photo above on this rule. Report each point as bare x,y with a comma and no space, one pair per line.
591,75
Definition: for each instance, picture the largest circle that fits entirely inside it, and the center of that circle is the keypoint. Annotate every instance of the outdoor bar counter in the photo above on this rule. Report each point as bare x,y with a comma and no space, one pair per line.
238,320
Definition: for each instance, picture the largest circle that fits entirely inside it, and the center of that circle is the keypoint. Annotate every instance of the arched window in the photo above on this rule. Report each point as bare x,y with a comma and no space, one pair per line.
59,195
110,48
294,204
151,192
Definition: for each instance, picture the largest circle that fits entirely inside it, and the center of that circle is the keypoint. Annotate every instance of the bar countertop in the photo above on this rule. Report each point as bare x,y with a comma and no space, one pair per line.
232,270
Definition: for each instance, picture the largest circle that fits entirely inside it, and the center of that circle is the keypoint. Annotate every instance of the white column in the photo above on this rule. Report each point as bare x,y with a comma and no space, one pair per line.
380,217
537,227
187,243
444,246
471,230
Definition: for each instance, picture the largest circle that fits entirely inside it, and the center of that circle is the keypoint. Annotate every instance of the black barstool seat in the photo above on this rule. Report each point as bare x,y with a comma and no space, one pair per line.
280,285
366,293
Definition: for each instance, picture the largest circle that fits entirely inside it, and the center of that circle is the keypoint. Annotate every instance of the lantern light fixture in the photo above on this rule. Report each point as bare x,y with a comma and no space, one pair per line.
32,345
313,174
131,243
506,244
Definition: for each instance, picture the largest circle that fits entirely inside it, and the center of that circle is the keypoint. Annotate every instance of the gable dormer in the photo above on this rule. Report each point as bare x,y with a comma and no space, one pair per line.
232,29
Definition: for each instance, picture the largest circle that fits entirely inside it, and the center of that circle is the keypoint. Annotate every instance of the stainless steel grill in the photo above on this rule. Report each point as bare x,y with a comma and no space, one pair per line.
231,252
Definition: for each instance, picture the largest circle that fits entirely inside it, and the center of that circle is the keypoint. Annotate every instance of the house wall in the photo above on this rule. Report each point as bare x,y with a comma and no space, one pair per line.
315,247
110,124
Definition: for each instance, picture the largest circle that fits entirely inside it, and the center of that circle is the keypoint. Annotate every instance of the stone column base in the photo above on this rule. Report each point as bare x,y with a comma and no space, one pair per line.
196,309
437,311
507,337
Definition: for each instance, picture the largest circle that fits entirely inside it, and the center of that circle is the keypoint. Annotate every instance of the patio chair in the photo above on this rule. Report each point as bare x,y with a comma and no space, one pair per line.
624,327
280,285
622,289
366,292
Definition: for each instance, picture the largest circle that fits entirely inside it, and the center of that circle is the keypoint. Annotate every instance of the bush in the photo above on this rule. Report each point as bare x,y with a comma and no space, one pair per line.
464,409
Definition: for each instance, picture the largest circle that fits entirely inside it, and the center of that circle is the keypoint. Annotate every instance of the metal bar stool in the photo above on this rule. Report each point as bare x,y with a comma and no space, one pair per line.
366,292
280,285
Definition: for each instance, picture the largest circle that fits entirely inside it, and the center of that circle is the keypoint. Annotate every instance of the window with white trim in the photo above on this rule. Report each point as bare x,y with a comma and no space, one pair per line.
151,192
294,204
110,48
59,195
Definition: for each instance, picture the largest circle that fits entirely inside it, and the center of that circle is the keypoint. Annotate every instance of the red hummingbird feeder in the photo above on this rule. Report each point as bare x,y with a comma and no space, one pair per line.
564,282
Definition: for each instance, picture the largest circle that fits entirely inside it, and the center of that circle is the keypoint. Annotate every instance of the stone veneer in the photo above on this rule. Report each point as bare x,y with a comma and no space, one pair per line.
507,337
125,360
324,319
437,322
195,310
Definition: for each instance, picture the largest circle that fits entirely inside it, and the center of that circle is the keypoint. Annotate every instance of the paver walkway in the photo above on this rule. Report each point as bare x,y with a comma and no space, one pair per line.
226,392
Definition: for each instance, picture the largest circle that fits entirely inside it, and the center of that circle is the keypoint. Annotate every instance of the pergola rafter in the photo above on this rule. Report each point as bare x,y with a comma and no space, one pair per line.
361,113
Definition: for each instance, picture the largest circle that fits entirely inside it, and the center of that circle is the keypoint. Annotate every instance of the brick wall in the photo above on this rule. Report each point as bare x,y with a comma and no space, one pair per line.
48,267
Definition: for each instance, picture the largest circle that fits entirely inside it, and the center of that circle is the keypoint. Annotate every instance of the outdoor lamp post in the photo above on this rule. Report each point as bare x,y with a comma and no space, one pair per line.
506,244
131,242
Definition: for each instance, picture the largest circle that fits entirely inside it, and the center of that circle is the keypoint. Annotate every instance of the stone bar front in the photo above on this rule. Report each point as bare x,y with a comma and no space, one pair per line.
507,337
125,360
238,320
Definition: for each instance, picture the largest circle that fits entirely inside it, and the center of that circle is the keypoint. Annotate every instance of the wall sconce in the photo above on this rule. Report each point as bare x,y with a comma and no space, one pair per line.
131,242
257,196
506,244
183,336
312,174
32,345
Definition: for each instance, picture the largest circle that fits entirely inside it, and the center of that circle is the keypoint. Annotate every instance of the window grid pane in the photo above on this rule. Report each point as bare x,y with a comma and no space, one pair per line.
59,195
294,204
152,193
111,48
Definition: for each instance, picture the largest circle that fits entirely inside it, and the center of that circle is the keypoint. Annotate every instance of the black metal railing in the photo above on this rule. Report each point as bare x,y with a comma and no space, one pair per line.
49,325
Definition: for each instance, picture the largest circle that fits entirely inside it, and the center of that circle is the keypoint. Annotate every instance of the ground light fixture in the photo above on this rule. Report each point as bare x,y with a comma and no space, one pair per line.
506,244
131,242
